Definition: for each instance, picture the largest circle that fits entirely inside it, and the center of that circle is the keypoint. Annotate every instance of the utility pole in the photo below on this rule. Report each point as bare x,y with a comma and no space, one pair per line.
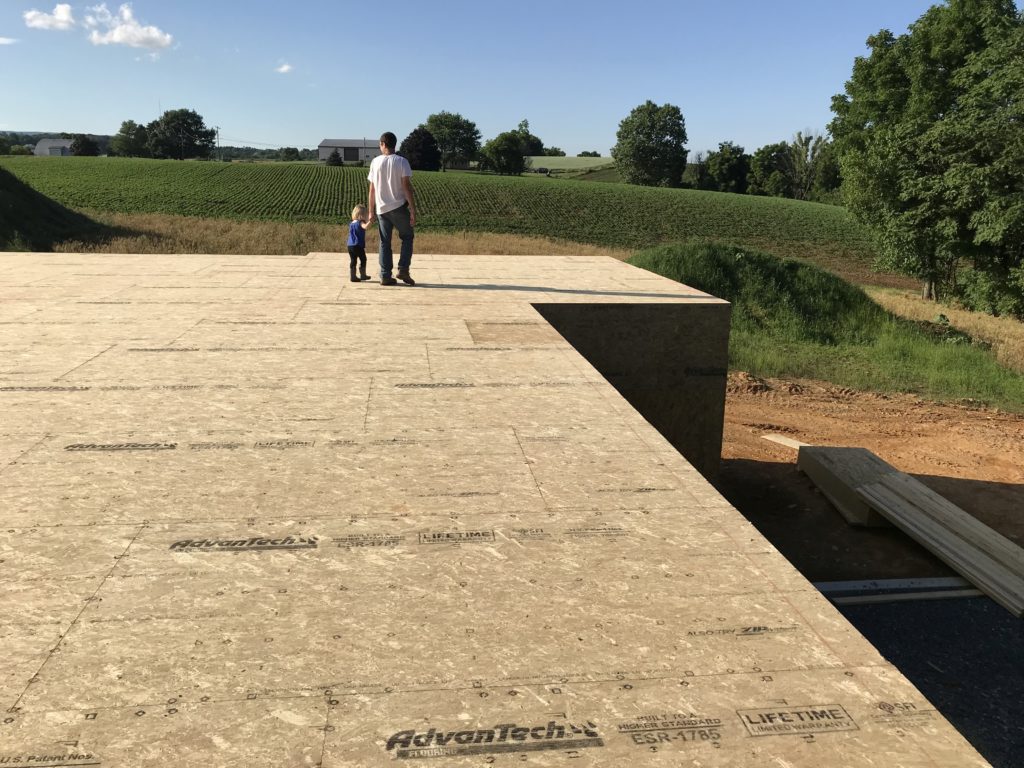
219,156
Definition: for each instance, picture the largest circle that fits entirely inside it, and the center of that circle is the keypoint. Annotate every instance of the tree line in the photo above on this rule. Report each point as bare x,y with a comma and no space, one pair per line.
650,149
926,150
449,140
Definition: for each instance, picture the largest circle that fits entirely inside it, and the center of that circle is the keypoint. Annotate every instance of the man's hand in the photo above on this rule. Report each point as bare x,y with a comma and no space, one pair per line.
412,218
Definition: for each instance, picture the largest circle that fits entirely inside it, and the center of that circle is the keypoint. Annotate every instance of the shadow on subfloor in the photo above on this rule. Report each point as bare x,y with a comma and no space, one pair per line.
574,291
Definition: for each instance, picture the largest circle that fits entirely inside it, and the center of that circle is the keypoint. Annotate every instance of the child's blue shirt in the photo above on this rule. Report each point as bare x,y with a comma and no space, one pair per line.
356,234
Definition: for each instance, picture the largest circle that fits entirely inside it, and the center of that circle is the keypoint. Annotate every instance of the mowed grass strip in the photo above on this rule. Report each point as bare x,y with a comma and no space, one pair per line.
611,215
793,320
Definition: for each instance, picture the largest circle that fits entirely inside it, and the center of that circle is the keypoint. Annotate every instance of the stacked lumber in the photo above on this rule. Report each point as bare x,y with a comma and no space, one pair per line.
988,560
839,472
868,491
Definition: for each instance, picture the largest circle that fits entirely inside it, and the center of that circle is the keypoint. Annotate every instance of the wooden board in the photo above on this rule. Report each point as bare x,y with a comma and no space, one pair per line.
838,472
990,561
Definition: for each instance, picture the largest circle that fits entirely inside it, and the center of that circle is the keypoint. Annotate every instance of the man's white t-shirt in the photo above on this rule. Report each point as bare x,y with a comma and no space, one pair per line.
386,174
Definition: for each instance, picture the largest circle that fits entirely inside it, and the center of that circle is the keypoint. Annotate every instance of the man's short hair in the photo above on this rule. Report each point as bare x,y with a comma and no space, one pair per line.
389,140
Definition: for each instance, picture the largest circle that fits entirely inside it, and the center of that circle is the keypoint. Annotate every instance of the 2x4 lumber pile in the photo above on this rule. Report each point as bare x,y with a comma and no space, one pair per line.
988,560
838,472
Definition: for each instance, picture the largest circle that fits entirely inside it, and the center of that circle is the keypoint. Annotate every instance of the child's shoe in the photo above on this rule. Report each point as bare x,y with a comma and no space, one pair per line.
362,273
352,275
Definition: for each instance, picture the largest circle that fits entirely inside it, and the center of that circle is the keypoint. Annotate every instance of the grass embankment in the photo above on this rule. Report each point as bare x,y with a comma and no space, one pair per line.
607,215
791,319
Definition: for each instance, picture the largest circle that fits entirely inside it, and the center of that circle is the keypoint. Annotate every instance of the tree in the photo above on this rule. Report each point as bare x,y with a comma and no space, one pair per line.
131,141
696,174
84,146
907,135
728,168
532,146
805,155
769,171
457,138
504,154
553,152
334,159
5,146
650,146
983,144
289,154
589,154
421,150
180,134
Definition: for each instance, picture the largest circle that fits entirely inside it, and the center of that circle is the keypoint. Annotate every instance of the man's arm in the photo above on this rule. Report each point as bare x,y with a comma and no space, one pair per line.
371,202
407,187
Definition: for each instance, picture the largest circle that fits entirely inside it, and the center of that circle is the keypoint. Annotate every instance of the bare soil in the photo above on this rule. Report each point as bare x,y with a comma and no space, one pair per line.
972,456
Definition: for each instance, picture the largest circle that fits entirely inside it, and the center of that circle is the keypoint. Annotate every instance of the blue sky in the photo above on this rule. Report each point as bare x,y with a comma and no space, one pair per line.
290,74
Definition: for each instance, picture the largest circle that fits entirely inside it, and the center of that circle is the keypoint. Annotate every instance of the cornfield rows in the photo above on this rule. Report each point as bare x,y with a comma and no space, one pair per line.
605,214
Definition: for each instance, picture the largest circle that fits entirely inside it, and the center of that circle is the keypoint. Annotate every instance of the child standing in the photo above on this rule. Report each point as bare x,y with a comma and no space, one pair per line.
357,244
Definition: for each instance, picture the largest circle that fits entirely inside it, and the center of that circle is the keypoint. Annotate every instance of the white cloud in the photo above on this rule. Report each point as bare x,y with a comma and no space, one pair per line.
284,69
123,28
7,41
61,18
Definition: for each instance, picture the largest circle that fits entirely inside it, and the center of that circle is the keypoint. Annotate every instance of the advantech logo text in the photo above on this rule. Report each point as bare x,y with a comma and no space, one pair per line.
507,737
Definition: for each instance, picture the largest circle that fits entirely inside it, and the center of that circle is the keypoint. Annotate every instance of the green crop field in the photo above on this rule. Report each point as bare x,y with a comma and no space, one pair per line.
569,163
616,215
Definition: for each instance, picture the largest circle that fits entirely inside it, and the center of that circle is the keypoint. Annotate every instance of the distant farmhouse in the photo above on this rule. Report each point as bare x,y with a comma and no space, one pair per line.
351,150
53,148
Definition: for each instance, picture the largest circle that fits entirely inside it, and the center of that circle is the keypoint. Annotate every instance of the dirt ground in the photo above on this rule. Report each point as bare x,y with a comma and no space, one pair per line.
974,457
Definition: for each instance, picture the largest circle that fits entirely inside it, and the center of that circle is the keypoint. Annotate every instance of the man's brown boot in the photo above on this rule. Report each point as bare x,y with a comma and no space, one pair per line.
405,277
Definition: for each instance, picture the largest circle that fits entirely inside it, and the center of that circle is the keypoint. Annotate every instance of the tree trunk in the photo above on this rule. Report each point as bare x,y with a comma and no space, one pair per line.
929,291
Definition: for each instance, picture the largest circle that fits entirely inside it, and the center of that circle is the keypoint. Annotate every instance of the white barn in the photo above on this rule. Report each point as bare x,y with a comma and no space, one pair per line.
53,148
351,150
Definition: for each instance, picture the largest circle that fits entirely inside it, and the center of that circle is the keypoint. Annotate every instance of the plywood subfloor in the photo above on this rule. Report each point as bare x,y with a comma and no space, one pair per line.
255,514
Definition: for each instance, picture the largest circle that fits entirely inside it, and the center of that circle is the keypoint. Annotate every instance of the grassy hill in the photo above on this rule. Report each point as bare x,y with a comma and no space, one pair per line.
616,215
791,319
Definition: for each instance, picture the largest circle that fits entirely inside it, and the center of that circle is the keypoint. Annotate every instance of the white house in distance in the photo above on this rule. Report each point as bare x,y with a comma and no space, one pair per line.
351,150
53,148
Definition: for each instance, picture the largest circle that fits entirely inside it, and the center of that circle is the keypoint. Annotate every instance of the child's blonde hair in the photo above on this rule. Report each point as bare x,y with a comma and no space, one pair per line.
358,211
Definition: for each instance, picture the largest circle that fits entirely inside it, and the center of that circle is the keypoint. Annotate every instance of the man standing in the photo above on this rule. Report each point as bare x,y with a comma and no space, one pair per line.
392,200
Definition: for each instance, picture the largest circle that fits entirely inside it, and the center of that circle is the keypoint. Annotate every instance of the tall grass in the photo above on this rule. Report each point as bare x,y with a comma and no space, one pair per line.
791,319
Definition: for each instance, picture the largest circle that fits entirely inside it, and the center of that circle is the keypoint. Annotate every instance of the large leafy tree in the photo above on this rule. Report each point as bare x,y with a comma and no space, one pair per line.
84,146
131,141
906,129
769,171
456,137
180,134
504,154
650,146
532,145
421,150
728,167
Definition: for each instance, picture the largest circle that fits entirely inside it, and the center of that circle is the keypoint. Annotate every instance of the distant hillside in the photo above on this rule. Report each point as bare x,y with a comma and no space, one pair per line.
616,215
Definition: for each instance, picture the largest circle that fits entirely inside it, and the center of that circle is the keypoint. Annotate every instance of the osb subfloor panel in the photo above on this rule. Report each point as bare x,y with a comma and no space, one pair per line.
255,514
